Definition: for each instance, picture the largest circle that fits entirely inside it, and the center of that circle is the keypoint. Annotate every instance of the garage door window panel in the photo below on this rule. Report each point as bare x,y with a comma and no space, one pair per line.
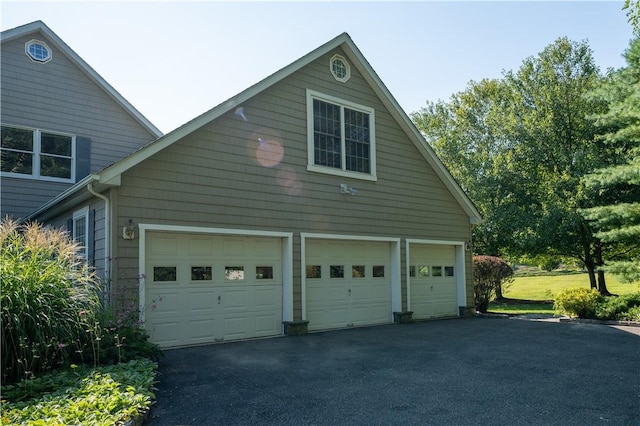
264,272
423,271
234,273
201,273
448,271
358,271
437,271
314,271
336,271
165,273
378,271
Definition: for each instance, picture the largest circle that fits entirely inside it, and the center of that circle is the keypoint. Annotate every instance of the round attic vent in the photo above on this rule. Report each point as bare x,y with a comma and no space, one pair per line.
38,51
340,68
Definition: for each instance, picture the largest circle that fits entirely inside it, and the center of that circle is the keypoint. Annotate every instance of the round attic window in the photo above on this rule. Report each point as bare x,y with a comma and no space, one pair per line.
38,51
340,68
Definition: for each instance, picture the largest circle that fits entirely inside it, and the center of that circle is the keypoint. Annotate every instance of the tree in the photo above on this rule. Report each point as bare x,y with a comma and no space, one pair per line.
617,219
490,273
519,146
633,14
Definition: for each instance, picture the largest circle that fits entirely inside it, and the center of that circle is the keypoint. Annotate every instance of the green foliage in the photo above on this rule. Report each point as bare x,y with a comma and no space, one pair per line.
617,307
102,396
617,216
489,274
49,299
633,14
578,302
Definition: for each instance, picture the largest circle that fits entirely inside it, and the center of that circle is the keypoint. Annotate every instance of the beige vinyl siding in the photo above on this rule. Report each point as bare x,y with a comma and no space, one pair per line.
58,96
211,178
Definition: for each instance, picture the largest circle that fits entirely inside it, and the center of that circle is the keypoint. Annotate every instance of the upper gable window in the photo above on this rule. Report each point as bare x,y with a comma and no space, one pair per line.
33,153
340,68
340,137
38,51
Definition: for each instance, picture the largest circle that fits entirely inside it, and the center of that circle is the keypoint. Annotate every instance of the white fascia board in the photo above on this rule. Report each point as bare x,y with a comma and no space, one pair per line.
69,192
39,26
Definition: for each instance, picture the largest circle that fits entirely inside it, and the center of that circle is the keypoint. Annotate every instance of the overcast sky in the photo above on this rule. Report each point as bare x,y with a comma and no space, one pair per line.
176,60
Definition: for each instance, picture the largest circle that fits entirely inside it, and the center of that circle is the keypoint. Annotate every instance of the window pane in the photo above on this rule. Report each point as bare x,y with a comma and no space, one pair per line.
55,144
337,271
201,273
234,273
378,271
357,271
423,271
55,167
164,273
327,134
20,139
80,233
314,271
436,271
17,162
356,125
448,271
264,272
412,270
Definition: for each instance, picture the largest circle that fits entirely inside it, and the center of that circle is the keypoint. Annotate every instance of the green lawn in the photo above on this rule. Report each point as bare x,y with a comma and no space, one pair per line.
545,287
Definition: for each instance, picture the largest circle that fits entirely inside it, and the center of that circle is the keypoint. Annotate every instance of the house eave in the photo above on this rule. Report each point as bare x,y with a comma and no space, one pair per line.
72,197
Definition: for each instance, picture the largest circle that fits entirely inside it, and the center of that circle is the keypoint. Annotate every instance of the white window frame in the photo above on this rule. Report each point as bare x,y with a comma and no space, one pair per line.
30,43
37,154
311,166
347,68
78,215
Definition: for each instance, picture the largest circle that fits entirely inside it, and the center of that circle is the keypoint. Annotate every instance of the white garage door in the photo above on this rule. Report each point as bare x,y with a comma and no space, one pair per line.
348,283
202,288
433,281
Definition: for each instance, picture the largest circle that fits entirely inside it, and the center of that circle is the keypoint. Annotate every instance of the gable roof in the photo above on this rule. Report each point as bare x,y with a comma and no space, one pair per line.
111,174
39,27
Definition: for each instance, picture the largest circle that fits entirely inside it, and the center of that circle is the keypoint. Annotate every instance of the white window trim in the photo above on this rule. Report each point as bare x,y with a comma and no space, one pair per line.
83,213
38,61
312,167
347,68
35,166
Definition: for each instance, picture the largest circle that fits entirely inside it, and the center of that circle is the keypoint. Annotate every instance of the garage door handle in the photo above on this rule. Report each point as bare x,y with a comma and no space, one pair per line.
349,292
219,297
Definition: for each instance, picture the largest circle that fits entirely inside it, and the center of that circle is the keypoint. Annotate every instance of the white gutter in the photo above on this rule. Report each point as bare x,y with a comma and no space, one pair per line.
107,240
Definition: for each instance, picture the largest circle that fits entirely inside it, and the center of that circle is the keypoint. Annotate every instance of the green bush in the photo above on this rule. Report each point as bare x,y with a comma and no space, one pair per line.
617,307
578,302
81,396
633,314
490,274
49,300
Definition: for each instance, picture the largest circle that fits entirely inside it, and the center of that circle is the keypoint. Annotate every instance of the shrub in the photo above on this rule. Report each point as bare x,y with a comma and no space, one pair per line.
49,300
578,302
489,274
616,307
633,314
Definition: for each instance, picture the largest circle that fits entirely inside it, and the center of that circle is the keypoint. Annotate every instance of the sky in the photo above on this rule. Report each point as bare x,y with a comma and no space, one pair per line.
174,60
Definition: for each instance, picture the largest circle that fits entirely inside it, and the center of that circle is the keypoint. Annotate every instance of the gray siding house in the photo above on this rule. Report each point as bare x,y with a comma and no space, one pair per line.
307,202
60,120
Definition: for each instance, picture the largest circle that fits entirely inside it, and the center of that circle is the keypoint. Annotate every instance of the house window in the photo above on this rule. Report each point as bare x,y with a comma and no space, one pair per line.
340,68
37,154
38,51
80,230
340,137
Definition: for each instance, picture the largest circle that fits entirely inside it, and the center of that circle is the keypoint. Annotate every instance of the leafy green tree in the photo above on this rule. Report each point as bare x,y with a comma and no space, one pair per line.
633,14
519,146
617,219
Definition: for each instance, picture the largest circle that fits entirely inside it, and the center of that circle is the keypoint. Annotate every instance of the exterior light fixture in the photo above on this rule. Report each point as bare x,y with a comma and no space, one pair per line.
128,231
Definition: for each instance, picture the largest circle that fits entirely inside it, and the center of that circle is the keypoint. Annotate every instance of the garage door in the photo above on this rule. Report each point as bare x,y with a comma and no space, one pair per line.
432,281
348,283
203,288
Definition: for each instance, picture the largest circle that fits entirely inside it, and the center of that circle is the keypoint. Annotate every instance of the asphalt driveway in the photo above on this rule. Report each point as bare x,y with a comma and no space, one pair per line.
480,371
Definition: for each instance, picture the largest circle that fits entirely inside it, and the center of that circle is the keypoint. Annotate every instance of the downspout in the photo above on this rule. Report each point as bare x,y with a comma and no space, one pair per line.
107,241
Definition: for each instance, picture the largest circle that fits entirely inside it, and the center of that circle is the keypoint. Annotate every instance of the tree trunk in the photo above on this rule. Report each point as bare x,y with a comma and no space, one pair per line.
602,284
499,290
